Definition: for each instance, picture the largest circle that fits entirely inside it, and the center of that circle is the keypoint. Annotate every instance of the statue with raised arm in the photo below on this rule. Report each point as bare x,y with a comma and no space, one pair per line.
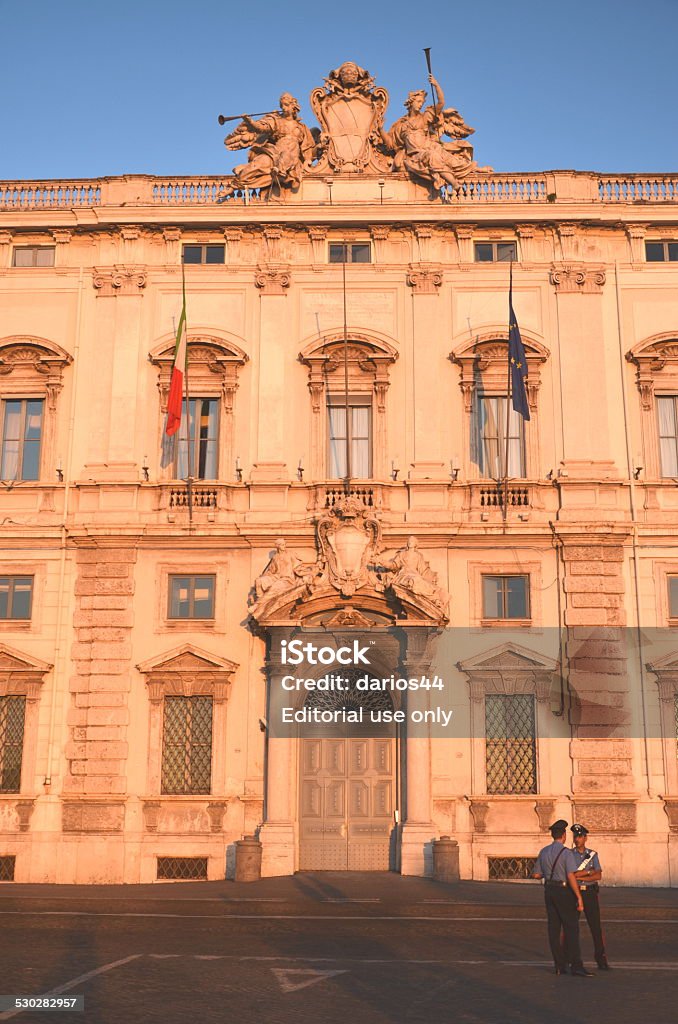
281,145
415,141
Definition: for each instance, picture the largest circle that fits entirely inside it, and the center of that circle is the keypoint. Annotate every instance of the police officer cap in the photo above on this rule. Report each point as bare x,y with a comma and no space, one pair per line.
579,830
558,827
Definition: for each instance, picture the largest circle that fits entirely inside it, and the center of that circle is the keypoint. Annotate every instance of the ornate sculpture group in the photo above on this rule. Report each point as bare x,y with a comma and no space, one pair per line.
350,560
353,138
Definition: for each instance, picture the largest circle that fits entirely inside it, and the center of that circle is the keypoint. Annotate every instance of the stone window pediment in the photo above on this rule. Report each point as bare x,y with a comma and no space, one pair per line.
188,671
509,669
482,363
21,674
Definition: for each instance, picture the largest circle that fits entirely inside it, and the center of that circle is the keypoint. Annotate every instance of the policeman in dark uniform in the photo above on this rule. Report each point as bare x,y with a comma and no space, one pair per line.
557,865
588,874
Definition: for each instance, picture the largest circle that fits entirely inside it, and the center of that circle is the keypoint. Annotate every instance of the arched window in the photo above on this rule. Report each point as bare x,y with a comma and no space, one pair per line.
348,419
31,377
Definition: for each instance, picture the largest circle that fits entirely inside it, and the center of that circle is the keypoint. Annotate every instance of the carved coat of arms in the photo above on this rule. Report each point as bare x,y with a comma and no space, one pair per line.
351,112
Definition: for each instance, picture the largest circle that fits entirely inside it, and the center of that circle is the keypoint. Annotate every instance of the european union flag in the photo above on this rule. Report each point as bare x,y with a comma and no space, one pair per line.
517,361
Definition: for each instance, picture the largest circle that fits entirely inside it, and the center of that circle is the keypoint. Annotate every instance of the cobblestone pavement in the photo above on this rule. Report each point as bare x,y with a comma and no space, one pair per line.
342,949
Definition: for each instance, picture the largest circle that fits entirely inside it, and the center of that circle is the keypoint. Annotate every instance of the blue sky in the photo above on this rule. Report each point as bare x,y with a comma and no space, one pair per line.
94,88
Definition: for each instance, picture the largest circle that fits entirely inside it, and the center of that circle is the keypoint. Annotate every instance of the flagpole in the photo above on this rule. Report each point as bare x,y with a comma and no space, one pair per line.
508,398
347,480
189,461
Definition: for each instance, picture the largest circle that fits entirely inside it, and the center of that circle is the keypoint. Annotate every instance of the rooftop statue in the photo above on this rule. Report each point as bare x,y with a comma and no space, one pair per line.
281,146
351,112
415,141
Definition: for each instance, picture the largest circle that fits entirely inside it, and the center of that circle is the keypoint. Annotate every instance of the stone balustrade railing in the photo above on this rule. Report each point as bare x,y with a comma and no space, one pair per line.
140,190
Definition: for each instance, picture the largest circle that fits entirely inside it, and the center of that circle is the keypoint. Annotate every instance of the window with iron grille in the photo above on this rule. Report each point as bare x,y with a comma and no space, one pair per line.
12,715
187,745
510,743
506,597
191,597
7,864
202,434
33,256
509,869
495,252
16,597
488,438
350,252
184,868
21,438
206,254
661,252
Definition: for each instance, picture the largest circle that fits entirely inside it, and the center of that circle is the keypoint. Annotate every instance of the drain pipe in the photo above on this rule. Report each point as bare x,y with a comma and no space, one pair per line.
60,660
634,536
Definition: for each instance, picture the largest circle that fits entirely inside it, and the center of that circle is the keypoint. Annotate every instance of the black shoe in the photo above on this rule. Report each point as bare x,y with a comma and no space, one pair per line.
603,964
581,972
561,970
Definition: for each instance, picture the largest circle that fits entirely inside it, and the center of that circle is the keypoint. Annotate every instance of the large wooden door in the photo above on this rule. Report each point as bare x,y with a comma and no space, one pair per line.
347,799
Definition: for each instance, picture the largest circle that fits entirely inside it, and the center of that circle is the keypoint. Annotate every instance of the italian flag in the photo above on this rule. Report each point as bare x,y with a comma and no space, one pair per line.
178,378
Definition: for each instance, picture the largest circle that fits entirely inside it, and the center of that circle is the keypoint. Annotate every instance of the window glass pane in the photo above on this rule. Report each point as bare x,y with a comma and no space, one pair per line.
668,443
24,257
4,597
192,254
654,252
490,411
673,597
506,251
337,252
214,254
44,256
179,597
10,461
483,252
516,597
33,420
203,597
492,597
12,421
21,599
360,253
673,251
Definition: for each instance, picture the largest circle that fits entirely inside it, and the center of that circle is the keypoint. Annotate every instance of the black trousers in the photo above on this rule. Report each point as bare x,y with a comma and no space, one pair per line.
592,911
562,914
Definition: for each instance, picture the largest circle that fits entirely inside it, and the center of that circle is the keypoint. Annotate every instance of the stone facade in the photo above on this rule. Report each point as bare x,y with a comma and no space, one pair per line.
591,520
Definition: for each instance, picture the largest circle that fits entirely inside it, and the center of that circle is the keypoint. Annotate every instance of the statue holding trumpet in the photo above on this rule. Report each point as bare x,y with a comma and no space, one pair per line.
280,144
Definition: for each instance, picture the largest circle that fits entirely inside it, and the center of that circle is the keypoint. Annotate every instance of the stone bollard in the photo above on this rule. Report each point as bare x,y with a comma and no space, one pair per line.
248,859
446,859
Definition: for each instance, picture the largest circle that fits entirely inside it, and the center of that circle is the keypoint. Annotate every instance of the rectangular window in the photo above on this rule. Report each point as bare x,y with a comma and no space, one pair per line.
359,436
33,256
506,597
206,254
667,415
187,745
191,597
488,438
203,436
12,715
21,439
495,252
510,744
661,252
350,252
673,596
16,597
